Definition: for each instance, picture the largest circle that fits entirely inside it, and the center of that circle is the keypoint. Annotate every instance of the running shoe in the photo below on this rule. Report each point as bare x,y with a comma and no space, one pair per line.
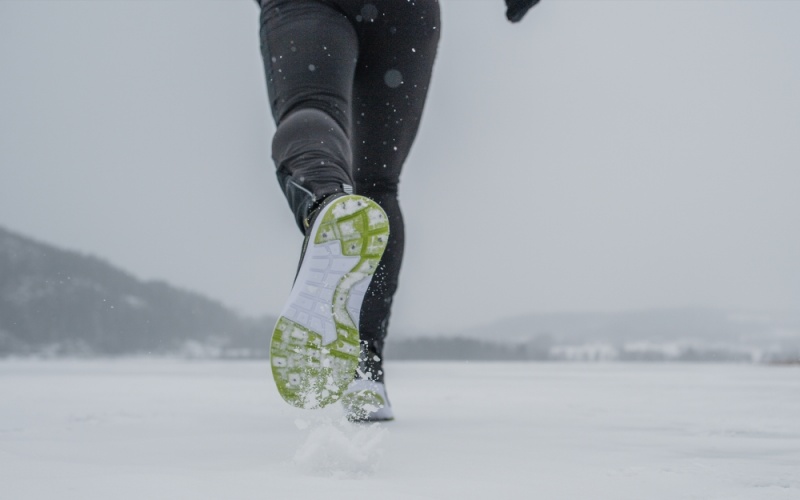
315,344
366,401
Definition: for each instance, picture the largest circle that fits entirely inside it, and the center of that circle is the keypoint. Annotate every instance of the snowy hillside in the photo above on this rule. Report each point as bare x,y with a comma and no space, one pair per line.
61,302
172,430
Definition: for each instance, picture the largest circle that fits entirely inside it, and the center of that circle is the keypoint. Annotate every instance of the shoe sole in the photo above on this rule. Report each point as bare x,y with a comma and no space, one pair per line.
315,344
366,401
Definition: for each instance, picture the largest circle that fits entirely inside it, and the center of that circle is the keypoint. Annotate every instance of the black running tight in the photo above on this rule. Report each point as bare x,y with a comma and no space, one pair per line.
347,81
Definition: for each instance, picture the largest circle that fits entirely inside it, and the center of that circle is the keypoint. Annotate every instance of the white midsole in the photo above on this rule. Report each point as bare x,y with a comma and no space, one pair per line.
310,302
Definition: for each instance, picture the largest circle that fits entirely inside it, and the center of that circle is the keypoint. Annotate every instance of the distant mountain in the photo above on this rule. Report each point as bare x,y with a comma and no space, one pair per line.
653,325
60,302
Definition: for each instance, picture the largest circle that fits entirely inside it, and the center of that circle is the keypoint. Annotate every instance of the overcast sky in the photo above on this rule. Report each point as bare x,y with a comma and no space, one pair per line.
602,155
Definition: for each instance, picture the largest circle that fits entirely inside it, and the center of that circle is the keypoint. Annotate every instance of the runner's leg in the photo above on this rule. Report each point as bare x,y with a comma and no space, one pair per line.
310,50
398,48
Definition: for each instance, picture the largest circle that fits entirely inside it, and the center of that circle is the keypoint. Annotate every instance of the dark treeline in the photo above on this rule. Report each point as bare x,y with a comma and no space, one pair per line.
467,349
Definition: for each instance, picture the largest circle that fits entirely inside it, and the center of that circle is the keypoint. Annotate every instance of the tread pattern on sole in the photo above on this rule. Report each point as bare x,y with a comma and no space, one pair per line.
315,344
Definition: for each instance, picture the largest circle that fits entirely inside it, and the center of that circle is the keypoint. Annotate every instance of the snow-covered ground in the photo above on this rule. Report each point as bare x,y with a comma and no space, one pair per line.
156,429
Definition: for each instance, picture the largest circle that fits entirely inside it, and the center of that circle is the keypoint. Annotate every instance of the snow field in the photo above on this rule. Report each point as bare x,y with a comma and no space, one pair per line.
334,447
166,429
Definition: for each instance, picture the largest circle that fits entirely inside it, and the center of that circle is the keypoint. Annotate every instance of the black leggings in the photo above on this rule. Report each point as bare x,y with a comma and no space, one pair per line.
347,81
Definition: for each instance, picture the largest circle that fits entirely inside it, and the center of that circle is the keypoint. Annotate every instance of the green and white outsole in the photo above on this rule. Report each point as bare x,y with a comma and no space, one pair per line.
315,345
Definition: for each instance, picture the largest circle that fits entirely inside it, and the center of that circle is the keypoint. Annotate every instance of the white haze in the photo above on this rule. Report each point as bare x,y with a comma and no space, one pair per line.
599,156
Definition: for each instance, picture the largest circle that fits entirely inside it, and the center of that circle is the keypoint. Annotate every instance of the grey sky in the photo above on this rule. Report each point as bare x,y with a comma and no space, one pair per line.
601,155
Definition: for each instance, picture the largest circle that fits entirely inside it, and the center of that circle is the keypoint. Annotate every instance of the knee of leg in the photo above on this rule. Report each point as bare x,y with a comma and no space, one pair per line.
308,122
310,128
